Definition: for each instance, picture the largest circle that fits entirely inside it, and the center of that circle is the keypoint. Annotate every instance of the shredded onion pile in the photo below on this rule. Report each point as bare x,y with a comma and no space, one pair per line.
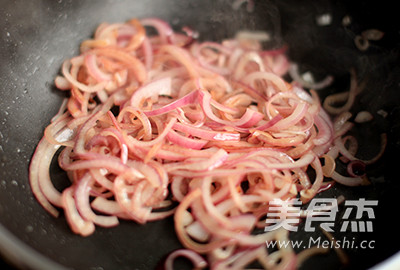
208,132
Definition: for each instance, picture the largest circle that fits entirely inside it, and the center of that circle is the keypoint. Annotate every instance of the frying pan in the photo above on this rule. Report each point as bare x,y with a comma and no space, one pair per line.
37,35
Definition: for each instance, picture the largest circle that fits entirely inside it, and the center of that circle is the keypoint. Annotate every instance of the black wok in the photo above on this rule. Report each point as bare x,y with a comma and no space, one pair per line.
37,35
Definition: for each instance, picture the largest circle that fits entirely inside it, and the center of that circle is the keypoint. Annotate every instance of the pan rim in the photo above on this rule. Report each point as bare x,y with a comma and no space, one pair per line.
392,262
19,254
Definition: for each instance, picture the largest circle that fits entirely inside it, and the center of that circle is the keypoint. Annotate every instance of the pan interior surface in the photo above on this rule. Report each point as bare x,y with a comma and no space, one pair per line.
38,35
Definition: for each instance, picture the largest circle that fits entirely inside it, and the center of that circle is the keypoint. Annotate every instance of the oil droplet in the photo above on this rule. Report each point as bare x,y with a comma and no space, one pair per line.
96,268
29,229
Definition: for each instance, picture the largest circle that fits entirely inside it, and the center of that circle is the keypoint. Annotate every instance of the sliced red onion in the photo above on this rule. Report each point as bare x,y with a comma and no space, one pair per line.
267,76
291,120
62,83
83,206
73,81
349,181
42,186
94,70
77,223
186,100
164,30
324,131
363,117
248,119
212,126
207,134
356,168
347,97
209,164
342,149
109,207
197,232
198,261
183,141
204,63
310,84
183,57
127,59
154,88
